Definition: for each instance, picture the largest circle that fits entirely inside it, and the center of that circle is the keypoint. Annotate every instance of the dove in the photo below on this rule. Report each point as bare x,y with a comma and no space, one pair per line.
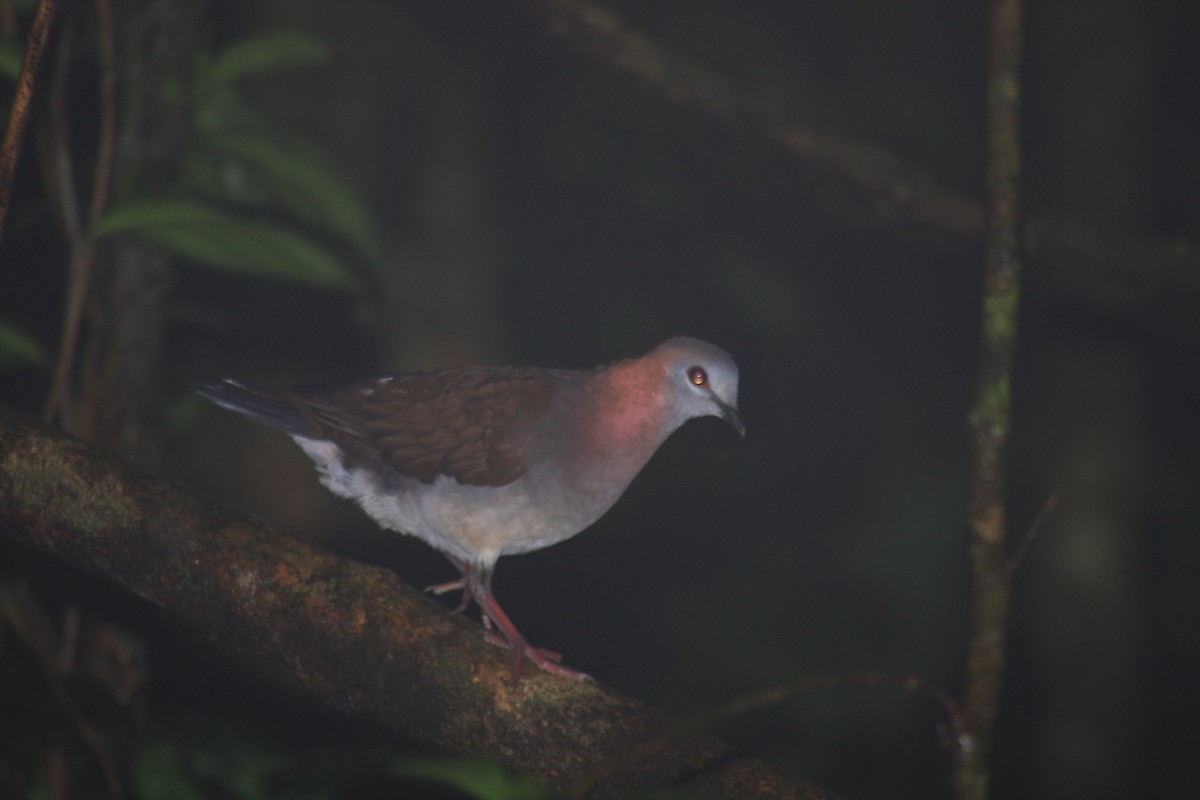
483,462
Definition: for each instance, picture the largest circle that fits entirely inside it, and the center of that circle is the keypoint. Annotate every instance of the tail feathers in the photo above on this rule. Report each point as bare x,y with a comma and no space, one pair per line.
275,409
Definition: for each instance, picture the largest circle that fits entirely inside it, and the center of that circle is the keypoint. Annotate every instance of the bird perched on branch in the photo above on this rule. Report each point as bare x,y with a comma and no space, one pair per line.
492,461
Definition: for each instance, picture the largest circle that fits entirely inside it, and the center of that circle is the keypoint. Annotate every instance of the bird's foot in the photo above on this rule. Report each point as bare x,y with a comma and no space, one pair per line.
453,586
549,660
448,586
549,665
499,629
498,639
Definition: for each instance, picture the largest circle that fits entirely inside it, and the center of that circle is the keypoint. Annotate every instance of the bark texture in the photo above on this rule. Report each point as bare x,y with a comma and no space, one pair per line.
358,637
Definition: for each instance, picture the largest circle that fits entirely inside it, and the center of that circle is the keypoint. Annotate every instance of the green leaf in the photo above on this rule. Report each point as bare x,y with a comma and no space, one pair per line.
220,107
11,55
306,187
161,770
476,777
220,240
17,347
265,53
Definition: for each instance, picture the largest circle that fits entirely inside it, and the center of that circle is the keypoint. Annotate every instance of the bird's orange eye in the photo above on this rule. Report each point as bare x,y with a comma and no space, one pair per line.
698,376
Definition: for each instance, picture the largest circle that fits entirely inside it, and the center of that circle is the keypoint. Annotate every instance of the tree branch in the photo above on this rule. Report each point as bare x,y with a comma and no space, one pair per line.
355,635
989,420
1108,268
22,105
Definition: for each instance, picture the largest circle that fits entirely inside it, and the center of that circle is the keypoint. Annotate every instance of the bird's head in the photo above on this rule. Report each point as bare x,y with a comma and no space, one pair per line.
702,380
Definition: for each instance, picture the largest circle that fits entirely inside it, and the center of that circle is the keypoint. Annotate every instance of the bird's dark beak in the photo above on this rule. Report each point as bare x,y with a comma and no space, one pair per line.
730,415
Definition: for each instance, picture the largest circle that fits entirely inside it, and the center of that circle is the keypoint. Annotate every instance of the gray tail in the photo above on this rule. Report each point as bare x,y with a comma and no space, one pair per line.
270,408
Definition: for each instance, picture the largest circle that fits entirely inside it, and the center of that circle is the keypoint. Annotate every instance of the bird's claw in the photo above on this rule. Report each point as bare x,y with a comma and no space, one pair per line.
548,660
452,586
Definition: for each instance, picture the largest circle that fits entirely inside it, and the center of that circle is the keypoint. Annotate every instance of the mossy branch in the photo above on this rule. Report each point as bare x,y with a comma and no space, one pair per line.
355,635
990,419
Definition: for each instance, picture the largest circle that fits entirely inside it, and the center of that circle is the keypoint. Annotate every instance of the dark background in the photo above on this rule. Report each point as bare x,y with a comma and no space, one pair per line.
538,207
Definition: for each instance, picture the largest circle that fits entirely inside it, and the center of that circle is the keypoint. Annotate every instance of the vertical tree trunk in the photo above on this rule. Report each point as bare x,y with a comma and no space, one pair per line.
123,368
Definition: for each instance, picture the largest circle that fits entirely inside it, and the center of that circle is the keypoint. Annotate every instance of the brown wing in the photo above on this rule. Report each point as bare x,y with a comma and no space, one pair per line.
468,424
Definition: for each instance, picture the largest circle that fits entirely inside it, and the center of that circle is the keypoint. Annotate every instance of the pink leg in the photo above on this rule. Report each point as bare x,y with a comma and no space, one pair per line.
454,586
476,584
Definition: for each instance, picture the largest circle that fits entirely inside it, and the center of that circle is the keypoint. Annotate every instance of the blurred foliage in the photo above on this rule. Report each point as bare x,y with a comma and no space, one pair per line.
246,203
18,347
212,237
276,51
198,761
474,777
10,58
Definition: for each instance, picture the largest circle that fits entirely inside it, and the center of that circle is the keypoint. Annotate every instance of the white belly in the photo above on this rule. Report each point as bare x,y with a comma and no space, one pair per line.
474,523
